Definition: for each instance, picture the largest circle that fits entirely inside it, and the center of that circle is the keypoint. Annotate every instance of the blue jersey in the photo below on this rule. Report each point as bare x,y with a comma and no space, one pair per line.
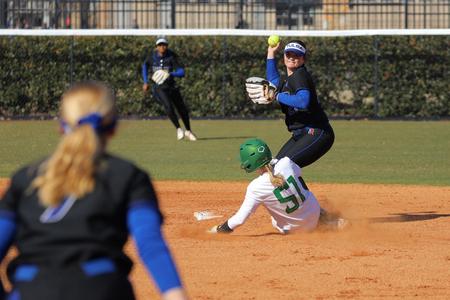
89,232
298,98
169,62
311,116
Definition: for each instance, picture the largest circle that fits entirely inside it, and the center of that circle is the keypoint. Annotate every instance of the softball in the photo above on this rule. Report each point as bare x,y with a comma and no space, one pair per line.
273,40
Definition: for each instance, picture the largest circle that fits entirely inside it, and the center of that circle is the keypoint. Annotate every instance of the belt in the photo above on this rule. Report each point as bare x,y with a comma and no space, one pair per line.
304,130
94,267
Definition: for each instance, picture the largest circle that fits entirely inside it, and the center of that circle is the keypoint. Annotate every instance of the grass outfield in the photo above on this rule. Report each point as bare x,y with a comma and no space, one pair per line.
403,152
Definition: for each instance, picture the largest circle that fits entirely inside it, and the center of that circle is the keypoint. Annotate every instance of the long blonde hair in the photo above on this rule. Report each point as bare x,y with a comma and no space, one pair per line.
276,180
70,169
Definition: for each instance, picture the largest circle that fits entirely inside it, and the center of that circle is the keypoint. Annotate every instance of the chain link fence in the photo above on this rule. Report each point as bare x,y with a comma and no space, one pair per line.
248,14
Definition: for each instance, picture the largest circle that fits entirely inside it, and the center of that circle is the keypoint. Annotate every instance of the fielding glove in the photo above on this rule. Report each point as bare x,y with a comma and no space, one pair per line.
260,90
160,76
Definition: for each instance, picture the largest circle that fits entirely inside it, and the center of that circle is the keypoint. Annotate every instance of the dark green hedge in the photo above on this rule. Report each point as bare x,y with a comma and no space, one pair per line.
355,76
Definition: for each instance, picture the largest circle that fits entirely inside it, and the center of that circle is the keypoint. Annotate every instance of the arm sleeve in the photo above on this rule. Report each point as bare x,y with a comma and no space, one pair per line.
148,57
178,73
8,216
250,204
8,230
145,71
144,221
272,72
299,100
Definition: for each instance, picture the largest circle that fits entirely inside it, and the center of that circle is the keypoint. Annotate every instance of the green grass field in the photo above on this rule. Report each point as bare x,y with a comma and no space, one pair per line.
403,152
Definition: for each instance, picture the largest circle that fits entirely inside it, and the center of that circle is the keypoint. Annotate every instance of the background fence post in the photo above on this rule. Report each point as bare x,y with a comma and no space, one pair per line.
84,14
290,15
3,14
425,14
240,15
406,14
56,15
173,14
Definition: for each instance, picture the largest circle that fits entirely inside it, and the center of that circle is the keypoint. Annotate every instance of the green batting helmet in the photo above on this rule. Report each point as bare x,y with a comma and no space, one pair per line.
254,154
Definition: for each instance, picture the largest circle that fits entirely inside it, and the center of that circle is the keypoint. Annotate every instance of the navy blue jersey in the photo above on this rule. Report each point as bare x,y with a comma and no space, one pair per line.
169,62
84,229
313,115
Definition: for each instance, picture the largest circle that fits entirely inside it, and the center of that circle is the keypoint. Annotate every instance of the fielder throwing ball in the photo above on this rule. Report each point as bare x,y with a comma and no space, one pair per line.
164,66
312,135
279,187
70,215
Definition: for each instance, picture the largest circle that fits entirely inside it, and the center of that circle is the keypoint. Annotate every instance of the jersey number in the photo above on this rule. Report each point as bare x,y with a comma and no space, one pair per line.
291,198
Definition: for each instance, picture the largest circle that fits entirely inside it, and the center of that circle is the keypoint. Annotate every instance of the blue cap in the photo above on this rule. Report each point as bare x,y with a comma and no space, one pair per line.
296,48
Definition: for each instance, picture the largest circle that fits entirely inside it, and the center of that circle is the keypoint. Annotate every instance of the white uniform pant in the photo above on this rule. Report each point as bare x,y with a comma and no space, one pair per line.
307,221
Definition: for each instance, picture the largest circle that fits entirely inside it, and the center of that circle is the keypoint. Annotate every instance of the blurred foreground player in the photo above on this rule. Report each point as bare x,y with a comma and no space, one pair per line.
70,215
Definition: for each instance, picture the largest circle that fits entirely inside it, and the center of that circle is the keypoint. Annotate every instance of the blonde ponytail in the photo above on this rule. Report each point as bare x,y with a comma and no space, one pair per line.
276,180
70,169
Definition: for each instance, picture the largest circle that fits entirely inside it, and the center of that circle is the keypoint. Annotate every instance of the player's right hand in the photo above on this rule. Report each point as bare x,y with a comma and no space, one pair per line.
145,87
271,51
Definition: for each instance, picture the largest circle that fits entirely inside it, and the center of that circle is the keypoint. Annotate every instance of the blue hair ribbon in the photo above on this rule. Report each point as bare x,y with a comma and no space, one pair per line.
94,120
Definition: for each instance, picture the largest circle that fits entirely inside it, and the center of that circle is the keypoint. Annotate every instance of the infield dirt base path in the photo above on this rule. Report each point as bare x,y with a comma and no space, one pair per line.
398,245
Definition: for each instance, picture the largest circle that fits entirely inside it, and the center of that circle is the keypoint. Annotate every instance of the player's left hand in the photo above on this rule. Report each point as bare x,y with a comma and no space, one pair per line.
213,229
160,76
260,90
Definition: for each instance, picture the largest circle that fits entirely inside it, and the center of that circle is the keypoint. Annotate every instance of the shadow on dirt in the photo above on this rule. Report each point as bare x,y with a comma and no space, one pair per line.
224,138
408,217
262,234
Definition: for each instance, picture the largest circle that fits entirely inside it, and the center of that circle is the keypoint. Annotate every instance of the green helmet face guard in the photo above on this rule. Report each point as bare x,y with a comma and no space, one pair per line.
254,154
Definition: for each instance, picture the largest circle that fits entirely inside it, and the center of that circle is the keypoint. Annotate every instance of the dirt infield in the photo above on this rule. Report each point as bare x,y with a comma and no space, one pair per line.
397,247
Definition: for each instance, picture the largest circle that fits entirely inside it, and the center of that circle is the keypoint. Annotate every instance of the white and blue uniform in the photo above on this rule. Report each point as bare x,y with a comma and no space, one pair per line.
292,206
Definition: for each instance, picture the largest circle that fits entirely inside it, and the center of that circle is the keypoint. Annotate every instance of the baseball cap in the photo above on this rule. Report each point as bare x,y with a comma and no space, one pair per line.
161,40
296,48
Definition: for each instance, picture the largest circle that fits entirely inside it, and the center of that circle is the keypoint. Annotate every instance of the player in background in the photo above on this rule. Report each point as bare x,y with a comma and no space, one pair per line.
312,135
70,215
280,188
164,66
